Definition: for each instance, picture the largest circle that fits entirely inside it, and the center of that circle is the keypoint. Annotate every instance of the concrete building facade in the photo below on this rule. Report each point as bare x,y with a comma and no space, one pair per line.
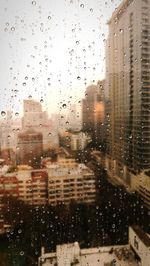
128,83
68,182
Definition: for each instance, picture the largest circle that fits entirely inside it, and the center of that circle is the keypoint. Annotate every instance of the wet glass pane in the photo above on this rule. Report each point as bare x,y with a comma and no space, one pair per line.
75,132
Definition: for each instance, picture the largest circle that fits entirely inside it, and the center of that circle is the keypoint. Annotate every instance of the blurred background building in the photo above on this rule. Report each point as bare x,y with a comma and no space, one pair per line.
93,109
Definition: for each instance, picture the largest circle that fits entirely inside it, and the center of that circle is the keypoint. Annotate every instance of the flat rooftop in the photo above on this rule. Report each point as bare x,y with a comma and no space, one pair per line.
142,235
71,254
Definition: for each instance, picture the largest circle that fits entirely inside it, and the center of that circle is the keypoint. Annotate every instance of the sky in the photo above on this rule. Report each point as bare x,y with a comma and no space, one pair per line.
51,50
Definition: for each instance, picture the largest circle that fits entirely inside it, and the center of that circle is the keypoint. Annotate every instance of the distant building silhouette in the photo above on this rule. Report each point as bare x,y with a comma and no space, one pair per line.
36,119
93,111
30,147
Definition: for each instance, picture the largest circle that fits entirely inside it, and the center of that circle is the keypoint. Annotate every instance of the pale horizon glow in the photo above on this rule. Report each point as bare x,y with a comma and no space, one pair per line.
51,50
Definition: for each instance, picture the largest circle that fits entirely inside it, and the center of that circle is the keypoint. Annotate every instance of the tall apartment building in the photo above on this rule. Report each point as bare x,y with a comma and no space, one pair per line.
93,111
128,82
30,147
32,115
34,118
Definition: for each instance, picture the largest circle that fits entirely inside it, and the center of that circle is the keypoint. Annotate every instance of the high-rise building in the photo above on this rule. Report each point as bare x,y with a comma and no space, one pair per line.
128,83
93,111
73,117
34,118
30,148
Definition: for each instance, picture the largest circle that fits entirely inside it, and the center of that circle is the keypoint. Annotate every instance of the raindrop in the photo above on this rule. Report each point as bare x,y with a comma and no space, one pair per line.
78,77
77,42
49,17
21,253
16,114
91,9
64,105
24,83
82,5
12,28
41,101
3,113
33,3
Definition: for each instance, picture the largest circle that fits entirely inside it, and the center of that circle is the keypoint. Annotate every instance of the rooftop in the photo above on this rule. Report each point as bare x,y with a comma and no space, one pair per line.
70,254
120,10
125,255
142,235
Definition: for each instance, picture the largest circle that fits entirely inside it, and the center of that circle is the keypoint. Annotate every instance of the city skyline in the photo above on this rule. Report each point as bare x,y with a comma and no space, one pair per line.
49,52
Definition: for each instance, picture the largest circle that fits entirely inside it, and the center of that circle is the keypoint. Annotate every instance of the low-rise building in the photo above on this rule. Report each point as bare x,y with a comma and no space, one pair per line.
8,188
61,181
136,253
39,187
74,140
70,181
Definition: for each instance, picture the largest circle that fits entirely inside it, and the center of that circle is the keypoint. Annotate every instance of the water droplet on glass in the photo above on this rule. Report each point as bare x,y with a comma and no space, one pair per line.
3,113
64,105
21,253
12,28
49,17
33,3
82,5
16,114
24,83
78,77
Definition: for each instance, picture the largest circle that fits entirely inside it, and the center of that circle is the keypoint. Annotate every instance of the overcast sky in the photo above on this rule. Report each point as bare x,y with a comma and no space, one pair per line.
51,50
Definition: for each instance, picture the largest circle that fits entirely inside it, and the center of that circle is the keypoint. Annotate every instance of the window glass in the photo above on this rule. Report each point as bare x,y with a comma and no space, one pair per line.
74,132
